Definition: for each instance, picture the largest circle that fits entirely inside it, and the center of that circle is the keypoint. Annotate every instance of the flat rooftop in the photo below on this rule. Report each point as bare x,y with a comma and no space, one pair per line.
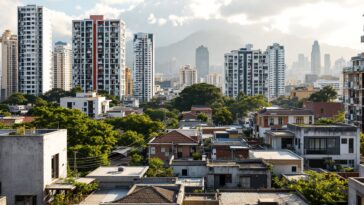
280,133
28,132
253,197
191,182
274,155
113,171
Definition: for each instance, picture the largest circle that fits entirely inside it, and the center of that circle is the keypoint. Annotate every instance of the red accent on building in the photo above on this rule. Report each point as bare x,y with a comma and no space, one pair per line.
95,18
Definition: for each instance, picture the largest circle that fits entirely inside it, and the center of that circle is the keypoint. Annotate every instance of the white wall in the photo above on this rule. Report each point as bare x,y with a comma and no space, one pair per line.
79,104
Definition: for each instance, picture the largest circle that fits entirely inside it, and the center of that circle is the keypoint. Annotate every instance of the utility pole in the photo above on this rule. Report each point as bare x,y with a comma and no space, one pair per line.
75,163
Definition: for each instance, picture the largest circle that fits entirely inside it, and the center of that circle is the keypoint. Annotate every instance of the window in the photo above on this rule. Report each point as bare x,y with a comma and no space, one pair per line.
163,149
152,150
184,172
351,145
344,141
55,166
280,120
310,120
69,105
294,169
25,200
271,121
322,145
299,120
245,182
322,110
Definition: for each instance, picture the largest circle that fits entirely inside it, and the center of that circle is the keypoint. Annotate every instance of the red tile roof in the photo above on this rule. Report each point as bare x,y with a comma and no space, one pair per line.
175,137
269,112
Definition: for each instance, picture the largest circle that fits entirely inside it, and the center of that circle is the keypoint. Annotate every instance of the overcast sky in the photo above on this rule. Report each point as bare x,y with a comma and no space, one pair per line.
335,22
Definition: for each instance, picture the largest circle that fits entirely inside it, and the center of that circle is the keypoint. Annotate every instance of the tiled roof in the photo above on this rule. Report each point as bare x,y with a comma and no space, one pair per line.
285,112
150,194
175,137
201,108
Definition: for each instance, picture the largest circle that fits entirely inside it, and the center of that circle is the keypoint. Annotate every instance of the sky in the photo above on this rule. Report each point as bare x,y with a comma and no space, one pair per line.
335,22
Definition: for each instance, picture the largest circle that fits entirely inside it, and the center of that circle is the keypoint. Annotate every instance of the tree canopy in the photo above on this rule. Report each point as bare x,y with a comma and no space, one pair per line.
244,104
157,169
326,94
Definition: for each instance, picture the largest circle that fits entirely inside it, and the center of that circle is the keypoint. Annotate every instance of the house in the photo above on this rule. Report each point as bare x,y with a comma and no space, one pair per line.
19,109
12,120
283,161
189,168
229,149
30,161
280,139
119,111
275,118
320,144
129,101
176,143
195,110
90,103
303,92
324,109
356,188
144,194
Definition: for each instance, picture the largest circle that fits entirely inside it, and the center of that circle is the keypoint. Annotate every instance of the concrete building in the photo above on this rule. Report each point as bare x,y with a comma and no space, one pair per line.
187,76
128,82
62,62
216,79
321,83
352,91
327,64
9,64
229,149
324,109
202,62
246,71
276,71
29,162
98,47
316,59
195,110
144,66
356,188
319,143
303,92
35,56
311,78
91,104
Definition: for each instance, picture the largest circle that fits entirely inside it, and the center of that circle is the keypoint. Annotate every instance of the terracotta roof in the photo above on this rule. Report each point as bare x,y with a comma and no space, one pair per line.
28,119
173,136
201,108
150,194
286,112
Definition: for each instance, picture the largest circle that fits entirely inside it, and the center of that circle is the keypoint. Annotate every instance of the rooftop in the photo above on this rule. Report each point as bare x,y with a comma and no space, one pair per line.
243,164
274,155
284,111
230,142
137,171
28,132
105,195
279,133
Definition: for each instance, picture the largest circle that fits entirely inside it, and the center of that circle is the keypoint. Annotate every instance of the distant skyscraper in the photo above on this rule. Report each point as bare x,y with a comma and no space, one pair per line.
327,63
202,62
216,79
316,59
9,64
276,71
35,50
62,62
187,76
98,46
246,71
143,72
128,82
303,62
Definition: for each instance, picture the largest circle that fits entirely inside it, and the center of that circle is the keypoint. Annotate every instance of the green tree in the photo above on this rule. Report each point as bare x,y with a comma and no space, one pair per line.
114,99
55,95
326,94
244,104
157,169
203,117
287,102
136,160
131,138
222,116
16,99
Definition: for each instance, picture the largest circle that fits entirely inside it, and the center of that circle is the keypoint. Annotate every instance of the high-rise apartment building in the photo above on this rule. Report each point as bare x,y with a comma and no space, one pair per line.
316,59
216,79
98,47
143,72
62,62
187,76
327,63
128,82
246,71
276,71
35,50
202,62
9,64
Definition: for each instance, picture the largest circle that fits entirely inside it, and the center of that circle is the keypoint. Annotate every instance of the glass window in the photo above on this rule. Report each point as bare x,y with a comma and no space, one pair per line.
163,149
294,169
280,120
344,141
152,150
184,172
351,145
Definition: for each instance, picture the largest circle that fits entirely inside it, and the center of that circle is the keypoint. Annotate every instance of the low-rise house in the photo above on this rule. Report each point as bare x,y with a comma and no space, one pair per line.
229,149
176,143
283,161
324,109
356,188
90,103
320,145
12,120
189,168
195,110
130,102
280,139
119,111
30,161
19,109
303,92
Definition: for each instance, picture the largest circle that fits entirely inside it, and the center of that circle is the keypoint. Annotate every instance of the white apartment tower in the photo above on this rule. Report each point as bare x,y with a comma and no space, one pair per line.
62,62
143,72
276,71
98,47
187,76
246,71
216,79
9,62
35,50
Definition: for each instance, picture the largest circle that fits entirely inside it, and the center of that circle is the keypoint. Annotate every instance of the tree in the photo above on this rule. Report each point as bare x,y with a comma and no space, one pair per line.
55,95
244,104
114,99
287,102
170,118
326,94
203,117
197,94
16,99
339,118
131,138
157,169
222,116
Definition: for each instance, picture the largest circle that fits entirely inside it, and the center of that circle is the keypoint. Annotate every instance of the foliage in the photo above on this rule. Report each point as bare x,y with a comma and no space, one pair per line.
202,116
339,118
362,143
287,102
114,99
196,156
131,138
16,99
222,116
55,95
170,118
197,94
326,94
244,104
157,169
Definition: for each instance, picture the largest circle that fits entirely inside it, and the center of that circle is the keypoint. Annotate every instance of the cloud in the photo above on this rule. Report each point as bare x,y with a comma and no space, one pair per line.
152,19
8,15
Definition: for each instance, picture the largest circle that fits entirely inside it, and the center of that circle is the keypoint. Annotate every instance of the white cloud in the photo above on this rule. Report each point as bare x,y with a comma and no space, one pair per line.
8,15
162,21
152,19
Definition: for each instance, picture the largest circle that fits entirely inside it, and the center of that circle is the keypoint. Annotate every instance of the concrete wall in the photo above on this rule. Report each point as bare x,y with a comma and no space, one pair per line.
2,200
78,103
355,189
192,171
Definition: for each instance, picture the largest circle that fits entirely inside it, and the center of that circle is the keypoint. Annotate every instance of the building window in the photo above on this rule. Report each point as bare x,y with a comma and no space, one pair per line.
184,172
294,169
163,149
280,120
344,141
271,121
25,200
351,145
310,120
55,166
245,182
299,120
322,110
69,105
152,150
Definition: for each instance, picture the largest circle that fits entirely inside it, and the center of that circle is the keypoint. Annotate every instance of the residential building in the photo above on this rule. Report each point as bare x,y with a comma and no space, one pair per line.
229,149
98,47
216,79
356,188
336,84
13,120
128,82
327,63
352,91
91,104
120,111
130,102
276,71
189,168
303,92
62,62
195,110
311,78
9,64
273,118
143,72
30,161
316,59
279,139
324,109
176,143
187,76
202,62
282,161
246,71
318,144
35,55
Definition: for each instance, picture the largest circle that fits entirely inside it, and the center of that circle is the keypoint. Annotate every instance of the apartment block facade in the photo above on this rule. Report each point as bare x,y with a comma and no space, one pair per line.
62,62
187,76
276,71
